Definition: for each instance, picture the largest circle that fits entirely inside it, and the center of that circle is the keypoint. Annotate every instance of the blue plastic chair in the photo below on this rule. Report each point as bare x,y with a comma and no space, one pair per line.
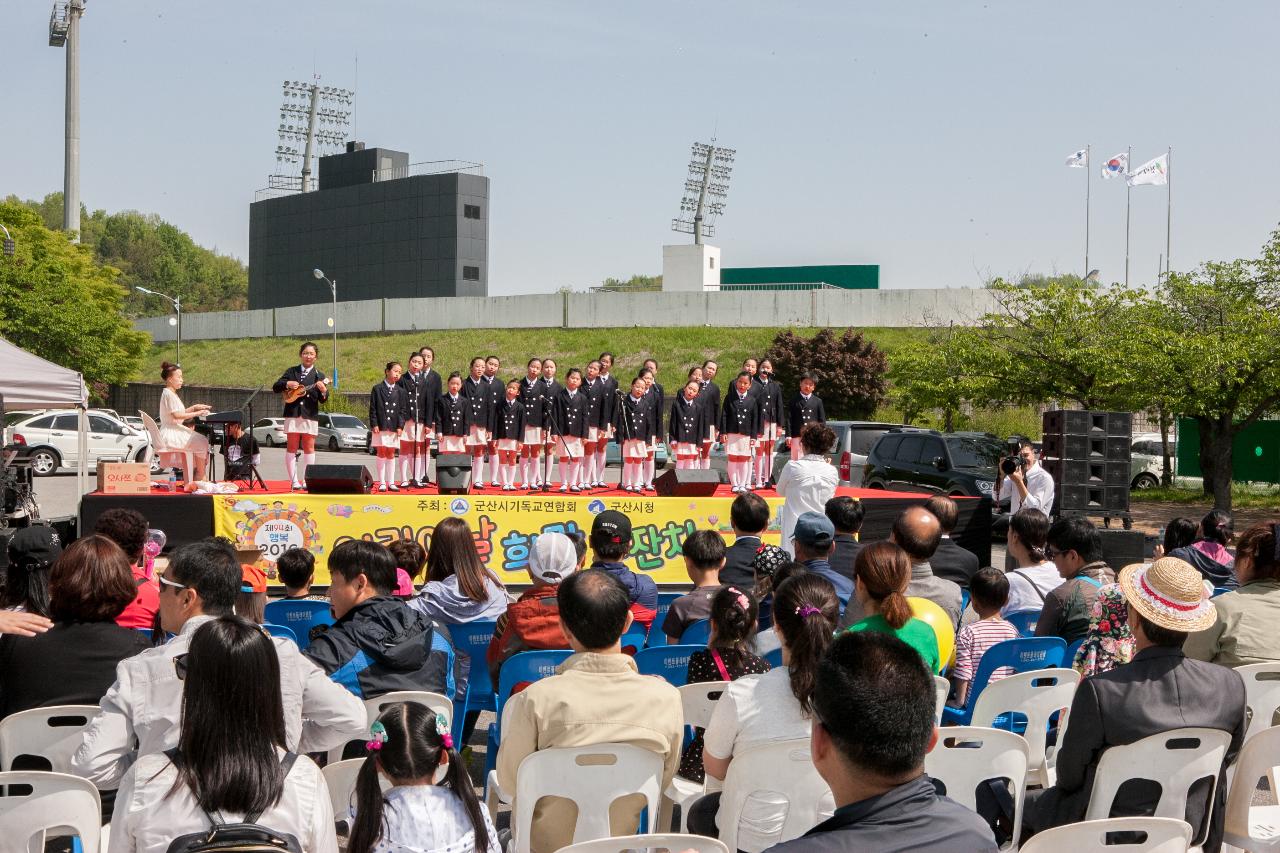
668,662
964,601
280,631
1020,655
300,616
774,658
657,637
1024,621
472,639
697,634
518,669
1069,658
1219,590
634,639
146,632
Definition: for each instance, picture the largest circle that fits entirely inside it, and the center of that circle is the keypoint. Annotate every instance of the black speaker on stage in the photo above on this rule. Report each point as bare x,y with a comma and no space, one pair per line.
1088,454
339,479
1121,548
453,473
687,483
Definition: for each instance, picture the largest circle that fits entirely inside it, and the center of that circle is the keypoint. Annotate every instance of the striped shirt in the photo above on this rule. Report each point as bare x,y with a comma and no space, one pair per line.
974,640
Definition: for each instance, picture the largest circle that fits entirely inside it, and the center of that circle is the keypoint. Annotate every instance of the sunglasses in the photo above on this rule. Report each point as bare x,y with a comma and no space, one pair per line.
180,666
1050,552
166,582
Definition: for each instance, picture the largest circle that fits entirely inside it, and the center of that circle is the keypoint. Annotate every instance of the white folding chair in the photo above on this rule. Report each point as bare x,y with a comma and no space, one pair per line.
340,778
654,843
1176,759
374,707
1036,695
57,804
52,733
943,688
153,430
593,777
772,793
698,701
494,796
966,756
1250,827
1262,694
1162,835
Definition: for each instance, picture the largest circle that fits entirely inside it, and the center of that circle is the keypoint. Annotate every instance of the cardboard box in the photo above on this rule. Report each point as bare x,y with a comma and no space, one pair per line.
124,478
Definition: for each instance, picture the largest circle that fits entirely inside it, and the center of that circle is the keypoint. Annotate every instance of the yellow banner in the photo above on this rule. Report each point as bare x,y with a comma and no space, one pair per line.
504,527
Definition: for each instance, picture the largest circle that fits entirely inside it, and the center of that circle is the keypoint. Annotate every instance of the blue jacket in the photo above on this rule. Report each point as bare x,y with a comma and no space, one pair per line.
641,589
383,645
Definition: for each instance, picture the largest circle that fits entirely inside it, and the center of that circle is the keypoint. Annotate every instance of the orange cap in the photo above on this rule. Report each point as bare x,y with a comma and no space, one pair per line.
252,579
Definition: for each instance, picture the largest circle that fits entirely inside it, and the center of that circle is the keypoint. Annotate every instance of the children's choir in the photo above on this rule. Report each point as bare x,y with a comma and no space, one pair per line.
520,426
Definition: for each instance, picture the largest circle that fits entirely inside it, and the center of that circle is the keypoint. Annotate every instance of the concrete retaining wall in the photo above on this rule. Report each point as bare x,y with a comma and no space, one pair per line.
732,309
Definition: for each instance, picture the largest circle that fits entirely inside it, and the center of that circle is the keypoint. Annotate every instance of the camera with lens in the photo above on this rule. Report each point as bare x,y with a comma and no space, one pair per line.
1012,463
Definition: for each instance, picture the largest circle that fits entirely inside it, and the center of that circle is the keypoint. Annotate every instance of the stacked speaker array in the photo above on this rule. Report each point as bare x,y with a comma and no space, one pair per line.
1088,454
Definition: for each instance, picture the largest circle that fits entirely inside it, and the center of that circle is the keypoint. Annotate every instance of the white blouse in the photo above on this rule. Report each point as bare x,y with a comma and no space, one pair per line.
429,819
147,818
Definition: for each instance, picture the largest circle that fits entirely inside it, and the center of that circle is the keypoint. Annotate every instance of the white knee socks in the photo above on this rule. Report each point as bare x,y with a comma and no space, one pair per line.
290,467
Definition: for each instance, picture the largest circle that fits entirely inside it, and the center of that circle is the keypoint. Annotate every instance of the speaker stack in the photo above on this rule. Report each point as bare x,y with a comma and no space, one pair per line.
339,479
687,483
1088,454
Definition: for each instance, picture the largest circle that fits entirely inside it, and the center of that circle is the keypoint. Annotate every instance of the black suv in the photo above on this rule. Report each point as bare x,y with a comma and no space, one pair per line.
925,460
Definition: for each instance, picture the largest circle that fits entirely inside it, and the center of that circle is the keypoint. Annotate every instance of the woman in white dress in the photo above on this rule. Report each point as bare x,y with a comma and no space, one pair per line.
176,438
809,482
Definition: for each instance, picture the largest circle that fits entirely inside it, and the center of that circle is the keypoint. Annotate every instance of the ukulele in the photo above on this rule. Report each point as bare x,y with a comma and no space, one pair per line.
296,394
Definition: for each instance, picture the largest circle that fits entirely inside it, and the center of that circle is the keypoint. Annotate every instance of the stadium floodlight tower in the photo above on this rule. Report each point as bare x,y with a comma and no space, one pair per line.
314,115
64,31
697,267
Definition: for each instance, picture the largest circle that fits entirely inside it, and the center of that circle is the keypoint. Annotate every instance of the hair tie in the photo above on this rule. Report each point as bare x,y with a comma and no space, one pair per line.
442,729
807,610
741,599
378,736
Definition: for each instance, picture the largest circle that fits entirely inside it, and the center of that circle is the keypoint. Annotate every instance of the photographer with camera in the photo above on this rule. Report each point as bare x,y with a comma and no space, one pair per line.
1026,483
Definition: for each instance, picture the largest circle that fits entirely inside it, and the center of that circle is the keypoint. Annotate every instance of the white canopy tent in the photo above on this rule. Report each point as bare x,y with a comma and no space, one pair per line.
29,382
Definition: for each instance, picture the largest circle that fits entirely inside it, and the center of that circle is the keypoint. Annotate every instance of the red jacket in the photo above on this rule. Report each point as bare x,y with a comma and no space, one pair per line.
532,622
141,612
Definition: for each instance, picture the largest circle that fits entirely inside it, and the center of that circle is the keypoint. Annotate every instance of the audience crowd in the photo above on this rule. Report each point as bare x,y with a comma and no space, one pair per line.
202,712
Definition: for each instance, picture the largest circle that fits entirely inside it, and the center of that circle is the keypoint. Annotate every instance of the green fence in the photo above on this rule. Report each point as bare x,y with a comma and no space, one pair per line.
1255,453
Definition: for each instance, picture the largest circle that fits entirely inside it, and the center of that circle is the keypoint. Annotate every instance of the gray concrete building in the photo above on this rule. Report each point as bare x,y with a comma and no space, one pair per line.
378,227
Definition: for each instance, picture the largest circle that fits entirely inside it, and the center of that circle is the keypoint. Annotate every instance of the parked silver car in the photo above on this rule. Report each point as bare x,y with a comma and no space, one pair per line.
269,431
53,437
341,432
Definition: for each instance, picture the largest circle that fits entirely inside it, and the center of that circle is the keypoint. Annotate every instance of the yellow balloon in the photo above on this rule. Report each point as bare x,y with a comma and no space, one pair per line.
940,622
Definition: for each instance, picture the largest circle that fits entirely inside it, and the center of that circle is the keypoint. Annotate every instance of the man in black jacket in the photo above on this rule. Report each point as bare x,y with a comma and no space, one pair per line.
749,515
950,561
379,644
872,726
846,515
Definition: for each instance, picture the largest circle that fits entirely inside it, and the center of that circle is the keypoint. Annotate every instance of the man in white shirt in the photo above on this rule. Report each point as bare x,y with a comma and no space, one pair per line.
145,703
1029,486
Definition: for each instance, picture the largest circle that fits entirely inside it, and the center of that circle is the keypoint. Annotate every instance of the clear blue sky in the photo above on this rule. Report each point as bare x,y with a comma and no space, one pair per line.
927,137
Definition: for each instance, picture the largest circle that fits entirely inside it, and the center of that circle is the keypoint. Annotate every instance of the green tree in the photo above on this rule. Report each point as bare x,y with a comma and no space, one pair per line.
62,305
850,369
636,282
934,375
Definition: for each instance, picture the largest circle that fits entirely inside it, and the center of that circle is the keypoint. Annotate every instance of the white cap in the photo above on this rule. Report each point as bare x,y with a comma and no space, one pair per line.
552,558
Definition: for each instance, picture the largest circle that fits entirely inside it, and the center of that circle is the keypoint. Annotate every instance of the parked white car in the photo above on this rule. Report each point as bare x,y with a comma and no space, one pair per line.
270,431
1147,464
53,437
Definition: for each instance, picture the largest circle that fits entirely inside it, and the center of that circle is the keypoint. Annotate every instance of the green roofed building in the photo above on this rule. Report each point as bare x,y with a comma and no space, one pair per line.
844,276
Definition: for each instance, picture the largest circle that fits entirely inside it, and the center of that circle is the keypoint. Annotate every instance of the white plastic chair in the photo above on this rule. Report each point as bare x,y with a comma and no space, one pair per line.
374,707
1163,835
153,430
593,777
494,796
1262,695
340,778
1037,695
1176,766
52,733
943,687
772,793
672,843
967,756
1250,827
698,701
58,804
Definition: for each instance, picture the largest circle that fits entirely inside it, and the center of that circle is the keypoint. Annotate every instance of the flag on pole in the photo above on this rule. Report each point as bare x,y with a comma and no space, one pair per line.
1116,167
1154,172
1078,160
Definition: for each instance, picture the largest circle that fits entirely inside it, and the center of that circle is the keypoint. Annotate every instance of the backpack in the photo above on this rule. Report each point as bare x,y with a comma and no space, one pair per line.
246,836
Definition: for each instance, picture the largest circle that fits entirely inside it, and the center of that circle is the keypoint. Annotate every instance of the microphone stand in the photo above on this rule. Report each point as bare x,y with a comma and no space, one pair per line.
546,480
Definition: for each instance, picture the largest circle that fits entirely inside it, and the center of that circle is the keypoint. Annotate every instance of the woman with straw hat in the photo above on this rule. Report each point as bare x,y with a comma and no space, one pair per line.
1159,690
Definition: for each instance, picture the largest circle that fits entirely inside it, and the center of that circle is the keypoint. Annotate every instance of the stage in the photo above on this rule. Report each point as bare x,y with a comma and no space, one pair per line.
504,523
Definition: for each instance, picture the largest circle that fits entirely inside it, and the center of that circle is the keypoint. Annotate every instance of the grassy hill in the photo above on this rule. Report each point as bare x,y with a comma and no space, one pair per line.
249,362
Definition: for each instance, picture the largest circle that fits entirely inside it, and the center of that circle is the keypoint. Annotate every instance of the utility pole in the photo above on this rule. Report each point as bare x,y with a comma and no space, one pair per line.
64,31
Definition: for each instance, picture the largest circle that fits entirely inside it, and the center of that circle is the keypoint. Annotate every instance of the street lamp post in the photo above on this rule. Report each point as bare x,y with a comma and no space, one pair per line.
333,288
177,308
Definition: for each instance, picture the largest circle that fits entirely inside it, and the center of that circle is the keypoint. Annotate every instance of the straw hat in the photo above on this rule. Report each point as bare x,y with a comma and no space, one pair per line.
1168,592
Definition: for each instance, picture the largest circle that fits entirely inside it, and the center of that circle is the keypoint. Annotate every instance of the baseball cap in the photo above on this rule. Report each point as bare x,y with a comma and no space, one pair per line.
613,524
252,579
35,547
552,558
814,530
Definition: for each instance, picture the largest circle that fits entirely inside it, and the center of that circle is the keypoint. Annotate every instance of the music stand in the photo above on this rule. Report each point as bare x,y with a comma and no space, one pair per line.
254,474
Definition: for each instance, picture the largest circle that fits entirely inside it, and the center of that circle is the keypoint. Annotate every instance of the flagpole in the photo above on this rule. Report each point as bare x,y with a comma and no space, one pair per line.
1168,214
1128,191
1088,181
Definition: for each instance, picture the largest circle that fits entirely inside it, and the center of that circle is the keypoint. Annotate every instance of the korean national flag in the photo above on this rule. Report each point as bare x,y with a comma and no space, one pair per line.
1116,167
